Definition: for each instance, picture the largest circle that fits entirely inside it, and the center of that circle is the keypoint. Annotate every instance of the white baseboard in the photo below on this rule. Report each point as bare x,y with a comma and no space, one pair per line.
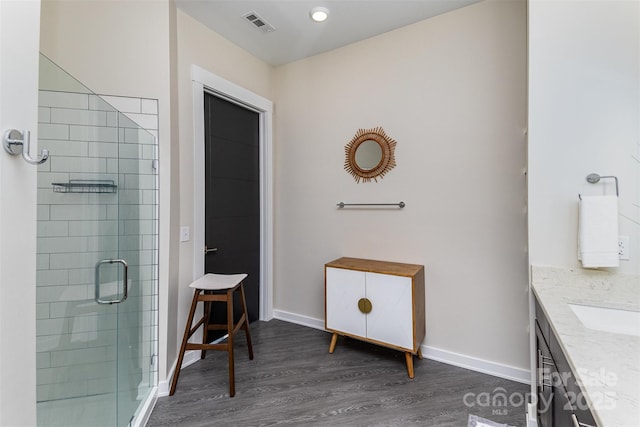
476,364
299,319
439,355
190,357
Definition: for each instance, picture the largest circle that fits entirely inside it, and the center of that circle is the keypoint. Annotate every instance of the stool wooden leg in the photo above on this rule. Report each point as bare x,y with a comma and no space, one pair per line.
232,385
246,322
207,316
187,330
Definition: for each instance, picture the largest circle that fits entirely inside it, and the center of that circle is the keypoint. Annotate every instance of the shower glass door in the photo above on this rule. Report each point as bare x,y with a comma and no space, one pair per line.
97,258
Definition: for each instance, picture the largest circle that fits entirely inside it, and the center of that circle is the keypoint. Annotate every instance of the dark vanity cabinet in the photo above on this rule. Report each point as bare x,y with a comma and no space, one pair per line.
561,403
544,371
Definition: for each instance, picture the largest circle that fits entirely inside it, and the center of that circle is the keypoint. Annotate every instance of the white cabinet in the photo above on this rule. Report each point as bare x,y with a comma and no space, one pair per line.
376,301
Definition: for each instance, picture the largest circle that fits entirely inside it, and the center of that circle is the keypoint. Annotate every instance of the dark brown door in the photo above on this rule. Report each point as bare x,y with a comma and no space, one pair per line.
232,191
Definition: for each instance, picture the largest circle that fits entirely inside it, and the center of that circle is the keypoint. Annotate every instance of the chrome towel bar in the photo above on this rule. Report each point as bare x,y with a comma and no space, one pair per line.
343,204
594,178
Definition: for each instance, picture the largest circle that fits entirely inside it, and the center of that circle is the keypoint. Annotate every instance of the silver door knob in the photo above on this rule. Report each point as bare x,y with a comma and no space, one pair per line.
207,250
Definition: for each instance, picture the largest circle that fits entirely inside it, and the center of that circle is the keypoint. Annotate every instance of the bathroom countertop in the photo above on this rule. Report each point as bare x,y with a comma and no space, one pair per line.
606,365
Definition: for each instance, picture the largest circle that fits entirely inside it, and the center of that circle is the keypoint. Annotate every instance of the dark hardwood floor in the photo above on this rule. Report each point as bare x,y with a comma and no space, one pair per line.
293,380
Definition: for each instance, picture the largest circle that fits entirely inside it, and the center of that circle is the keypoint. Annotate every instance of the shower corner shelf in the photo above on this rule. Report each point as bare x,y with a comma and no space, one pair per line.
85,186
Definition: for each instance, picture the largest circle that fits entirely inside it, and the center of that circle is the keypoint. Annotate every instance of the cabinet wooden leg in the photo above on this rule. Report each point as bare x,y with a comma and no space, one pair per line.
409,357
419,353
334,340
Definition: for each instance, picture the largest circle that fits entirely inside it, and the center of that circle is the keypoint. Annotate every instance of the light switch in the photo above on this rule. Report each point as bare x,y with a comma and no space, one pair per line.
184,234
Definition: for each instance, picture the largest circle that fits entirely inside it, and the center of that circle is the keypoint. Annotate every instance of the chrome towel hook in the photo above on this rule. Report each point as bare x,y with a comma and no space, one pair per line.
15,142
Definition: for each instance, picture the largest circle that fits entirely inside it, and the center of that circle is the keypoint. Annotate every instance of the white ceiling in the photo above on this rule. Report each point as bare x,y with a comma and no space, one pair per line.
296,36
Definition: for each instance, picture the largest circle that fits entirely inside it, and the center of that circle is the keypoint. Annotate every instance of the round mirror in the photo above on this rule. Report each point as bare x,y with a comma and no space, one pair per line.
368,155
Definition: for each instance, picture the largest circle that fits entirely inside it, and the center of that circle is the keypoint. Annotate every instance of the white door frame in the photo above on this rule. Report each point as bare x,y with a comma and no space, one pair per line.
204,80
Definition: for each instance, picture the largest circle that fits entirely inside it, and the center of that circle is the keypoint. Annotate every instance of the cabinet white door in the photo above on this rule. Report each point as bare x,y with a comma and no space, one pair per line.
344,289
391,318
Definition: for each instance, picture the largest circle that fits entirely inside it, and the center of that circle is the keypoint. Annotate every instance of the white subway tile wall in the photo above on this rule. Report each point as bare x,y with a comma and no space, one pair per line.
78,339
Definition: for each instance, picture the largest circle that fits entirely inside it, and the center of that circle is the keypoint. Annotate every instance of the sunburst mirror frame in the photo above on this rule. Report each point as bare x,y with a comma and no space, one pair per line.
387,161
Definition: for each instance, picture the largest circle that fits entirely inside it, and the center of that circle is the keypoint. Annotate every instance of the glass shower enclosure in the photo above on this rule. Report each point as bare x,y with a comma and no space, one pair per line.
97,258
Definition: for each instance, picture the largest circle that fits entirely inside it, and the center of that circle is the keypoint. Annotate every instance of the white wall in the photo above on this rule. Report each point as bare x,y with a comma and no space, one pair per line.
124,48
19,34
584,114
452,91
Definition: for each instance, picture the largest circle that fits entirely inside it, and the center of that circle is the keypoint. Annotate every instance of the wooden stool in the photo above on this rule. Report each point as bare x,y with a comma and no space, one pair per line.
203,291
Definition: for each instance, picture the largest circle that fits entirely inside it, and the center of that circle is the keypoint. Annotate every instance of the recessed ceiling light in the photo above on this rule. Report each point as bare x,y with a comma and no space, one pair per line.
319,14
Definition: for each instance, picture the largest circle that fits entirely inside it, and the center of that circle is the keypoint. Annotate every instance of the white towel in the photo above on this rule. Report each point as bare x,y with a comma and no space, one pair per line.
598,231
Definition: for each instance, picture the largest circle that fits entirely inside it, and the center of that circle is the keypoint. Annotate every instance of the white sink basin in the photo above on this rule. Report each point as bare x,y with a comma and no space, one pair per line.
608,319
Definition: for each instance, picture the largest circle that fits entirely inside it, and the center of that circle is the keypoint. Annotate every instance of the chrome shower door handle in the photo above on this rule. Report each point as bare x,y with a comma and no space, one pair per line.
125,280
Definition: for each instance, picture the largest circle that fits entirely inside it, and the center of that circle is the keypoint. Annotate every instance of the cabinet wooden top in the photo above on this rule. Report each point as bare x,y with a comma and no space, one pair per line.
384,267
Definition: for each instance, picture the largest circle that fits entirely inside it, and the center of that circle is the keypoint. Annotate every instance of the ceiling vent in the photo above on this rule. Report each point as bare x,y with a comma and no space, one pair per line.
258,22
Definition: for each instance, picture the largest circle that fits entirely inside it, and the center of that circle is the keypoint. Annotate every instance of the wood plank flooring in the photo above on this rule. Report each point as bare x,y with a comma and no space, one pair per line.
293,380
